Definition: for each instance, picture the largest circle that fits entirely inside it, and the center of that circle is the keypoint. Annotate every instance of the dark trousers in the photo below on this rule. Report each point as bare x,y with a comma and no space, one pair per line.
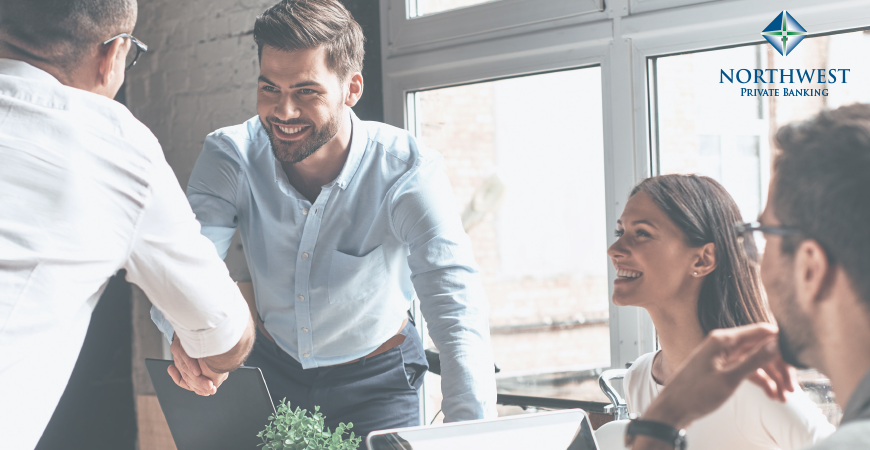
374,393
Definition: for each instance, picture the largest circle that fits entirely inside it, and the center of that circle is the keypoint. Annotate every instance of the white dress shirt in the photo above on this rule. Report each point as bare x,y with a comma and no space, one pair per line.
85,191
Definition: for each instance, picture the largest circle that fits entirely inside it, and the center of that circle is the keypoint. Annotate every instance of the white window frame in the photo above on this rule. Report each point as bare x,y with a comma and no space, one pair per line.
620,38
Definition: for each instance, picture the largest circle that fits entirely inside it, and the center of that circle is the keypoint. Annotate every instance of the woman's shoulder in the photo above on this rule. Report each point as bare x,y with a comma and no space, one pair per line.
641,367
795,423
638,384
643,362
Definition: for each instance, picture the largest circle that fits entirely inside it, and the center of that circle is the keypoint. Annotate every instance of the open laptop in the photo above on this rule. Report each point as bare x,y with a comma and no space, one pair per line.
557,430
229,419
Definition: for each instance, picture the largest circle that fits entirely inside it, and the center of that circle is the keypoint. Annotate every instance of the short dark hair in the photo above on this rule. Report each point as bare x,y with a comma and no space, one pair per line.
705,212
305,24
61,32
820,186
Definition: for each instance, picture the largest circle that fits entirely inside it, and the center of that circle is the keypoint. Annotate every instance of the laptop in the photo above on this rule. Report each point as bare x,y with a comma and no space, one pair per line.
557,430
229,419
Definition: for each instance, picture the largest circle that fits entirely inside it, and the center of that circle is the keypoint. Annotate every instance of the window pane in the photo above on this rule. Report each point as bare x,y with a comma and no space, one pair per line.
707,127
417,8
541,246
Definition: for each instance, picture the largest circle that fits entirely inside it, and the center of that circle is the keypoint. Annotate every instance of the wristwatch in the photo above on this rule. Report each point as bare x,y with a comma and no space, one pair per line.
655,430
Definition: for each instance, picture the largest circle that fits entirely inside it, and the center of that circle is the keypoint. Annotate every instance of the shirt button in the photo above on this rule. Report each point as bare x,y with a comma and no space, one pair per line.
301,298
305,330
305,355
305,256
305,212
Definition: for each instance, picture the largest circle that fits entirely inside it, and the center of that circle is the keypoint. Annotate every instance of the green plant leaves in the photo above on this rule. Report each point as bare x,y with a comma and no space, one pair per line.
297,430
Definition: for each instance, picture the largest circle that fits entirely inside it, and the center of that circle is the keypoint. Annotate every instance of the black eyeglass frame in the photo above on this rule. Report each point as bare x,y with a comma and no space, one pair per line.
746,229
140,47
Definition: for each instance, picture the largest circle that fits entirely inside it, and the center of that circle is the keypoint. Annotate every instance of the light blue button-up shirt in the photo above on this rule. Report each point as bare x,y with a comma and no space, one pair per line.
333,279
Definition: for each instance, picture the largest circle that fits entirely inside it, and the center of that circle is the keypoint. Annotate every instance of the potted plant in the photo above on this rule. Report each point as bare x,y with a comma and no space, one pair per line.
297,430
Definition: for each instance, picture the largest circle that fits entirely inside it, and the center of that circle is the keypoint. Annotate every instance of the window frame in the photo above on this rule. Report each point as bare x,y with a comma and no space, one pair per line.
403,34
621,39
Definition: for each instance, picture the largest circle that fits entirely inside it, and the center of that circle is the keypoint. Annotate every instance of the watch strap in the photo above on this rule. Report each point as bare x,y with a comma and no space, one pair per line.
657,430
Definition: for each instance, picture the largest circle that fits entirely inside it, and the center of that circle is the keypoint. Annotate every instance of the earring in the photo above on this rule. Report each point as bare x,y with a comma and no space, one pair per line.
696,274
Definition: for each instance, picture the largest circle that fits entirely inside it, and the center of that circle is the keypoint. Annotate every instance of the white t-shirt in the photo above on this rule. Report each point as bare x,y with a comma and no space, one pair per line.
85,191
749,420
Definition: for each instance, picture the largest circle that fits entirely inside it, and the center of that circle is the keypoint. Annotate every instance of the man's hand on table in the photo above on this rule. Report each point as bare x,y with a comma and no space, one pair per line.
714,371
191,374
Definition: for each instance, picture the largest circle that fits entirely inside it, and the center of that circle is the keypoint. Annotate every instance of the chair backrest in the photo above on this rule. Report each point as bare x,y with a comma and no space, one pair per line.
611,435
618,408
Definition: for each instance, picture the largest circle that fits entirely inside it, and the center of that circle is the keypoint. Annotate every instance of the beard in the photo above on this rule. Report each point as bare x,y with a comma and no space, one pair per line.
795,329
294,152
789,350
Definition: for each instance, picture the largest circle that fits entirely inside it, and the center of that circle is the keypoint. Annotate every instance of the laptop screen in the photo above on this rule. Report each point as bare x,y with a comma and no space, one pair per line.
567,430
229,419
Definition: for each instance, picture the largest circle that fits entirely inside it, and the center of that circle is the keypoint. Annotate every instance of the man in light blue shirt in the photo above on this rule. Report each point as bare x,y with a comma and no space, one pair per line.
343,223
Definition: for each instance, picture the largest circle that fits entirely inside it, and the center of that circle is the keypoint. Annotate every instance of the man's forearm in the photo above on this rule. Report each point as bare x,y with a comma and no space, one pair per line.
663,412
467,370
458,324
236,356
247,290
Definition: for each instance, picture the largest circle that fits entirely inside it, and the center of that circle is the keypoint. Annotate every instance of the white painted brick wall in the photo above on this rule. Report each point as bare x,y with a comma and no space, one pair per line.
200,74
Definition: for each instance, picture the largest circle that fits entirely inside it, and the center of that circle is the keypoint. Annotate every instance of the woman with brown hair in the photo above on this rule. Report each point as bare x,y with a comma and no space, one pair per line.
679,257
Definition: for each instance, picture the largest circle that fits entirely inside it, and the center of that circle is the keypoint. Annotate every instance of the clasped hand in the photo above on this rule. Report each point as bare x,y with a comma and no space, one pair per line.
191,373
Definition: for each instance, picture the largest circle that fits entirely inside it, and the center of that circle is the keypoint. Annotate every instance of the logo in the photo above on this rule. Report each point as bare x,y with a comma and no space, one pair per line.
784,33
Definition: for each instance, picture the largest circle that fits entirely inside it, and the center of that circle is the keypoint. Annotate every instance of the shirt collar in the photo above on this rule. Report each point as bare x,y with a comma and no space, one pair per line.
359,138
21,69
859,404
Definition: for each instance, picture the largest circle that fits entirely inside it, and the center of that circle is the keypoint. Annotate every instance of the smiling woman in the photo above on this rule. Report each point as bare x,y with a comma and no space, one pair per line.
678,256
689,221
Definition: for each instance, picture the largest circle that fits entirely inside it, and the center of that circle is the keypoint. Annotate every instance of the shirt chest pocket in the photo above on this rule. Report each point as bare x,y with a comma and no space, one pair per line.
353,278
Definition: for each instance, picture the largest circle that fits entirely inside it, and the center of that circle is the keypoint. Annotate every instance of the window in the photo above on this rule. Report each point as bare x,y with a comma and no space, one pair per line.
708,128
525,158
417,8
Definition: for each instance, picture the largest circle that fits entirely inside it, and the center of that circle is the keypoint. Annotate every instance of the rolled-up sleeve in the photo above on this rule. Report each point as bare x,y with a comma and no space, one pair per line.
446,279
180,272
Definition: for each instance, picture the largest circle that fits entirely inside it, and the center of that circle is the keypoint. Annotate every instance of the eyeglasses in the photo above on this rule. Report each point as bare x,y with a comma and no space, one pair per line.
131,56
751,234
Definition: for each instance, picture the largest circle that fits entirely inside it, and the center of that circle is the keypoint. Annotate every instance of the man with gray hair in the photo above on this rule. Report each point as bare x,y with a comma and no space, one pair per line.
85,191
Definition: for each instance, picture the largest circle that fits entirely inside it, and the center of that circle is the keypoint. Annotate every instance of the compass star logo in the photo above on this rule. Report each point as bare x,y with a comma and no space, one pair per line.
784,33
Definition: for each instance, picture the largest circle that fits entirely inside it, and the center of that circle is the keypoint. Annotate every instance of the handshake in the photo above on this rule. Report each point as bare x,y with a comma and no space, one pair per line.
204,375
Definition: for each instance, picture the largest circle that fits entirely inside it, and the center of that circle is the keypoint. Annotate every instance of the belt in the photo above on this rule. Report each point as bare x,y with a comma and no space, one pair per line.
391,343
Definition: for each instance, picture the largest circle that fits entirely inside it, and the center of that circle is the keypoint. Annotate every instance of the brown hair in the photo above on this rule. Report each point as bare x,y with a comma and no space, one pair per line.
305,24
705,212
820,186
